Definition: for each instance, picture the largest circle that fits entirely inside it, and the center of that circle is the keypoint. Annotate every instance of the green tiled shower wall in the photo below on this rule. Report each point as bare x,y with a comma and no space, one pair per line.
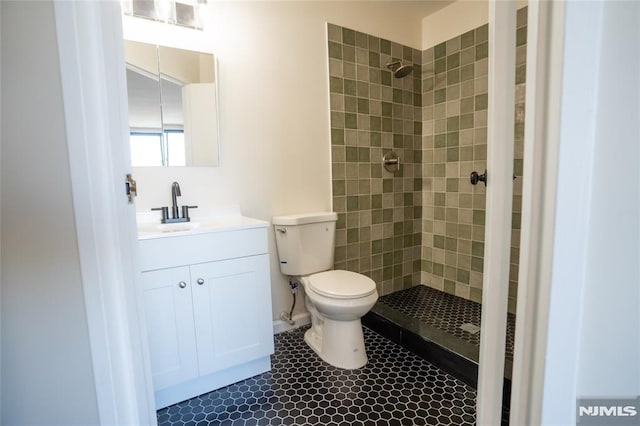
425,223
372,112
455,99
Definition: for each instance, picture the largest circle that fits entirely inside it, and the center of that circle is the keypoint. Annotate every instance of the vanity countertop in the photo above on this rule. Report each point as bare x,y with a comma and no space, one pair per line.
229,219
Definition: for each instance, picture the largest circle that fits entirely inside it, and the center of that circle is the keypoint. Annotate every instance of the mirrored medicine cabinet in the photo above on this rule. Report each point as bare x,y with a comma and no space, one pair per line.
173,108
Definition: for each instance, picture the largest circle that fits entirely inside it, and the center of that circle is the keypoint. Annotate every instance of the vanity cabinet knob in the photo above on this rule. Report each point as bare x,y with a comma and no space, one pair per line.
200,281
182,284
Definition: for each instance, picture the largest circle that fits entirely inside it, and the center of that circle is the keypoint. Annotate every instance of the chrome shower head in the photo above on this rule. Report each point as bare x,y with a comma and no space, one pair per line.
403,71
399,70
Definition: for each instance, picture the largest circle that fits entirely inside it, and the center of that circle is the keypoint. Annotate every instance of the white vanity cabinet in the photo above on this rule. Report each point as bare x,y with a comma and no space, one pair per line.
232,324
168,311
207,303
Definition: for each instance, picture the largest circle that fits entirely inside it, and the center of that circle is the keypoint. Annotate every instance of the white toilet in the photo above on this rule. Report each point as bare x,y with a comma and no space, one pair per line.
336,299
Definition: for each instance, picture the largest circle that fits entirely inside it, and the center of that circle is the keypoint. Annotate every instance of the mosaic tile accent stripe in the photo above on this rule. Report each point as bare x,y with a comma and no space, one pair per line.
372,112
455,102
395,387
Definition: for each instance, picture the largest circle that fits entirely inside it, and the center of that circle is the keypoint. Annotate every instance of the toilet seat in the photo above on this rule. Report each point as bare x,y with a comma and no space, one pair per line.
340,284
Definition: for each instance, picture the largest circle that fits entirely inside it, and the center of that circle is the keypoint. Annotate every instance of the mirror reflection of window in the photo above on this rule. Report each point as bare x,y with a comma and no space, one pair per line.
172,115
146,149
172,99
175,148
149,149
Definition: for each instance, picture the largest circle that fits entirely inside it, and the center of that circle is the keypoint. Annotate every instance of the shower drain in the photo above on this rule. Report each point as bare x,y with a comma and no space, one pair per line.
470,328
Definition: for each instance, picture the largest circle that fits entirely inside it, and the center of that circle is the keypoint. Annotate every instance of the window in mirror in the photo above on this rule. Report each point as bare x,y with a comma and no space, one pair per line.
175,148
146,149
158,149
172,96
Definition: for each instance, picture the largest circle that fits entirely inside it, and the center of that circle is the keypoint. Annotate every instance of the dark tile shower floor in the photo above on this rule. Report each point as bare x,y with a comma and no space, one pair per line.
445,312
396,387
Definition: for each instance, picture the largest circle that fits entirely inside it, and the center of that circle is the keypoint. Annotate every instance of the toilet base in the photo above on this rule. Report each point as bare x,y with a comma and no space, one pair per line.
341,343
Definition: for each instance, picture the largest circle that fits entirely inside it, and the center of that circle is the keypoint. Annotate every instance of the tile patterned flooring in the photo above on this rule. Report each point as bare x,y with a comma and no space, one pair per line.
396,387
445,312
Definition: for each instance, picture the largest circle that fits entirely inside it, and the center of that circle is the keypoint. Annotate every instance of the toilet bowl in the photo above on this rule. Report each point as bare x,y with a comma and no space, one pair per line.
335,299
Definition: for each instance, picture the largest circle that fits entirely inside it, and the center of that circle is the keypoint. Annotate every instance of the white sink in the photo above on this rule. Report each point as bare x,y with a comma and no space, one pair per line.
149,225
155,228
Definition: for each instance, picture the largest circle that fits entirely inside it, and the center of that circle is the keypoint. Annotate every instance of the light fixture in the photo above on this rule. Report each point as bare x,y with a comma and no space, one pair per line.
165,11
186,13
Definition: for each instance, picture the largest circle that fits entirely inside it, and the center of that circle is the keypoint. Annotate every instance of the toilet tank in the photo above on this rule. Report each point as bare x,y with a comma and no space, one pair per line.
305,242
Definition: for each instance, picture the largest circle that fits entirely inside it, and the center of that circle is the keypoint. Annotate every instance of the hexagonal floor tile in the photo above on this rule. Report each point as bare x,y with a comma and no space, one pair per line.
395,387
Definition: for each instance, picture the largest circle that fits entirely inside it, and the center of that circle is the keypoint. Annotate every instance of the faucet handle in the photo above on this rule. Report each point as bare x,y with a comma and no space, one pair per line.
165,213
185,212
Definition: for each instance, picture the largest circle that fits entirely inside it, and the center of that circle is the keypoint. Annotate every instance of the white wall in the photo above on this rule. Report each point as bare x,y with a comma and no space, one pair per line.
593,346
455,19
609,357
275,146
47,375
0,219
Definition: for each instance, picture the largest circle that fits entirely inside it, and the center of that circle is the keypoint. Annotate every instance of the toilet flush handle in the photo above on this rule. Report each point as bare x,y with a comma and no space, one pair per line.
281,230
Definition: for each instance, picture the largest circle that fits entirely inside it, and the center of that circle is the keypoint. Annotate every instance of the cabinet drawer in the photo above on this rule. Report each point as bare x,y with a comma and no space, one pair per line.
159,253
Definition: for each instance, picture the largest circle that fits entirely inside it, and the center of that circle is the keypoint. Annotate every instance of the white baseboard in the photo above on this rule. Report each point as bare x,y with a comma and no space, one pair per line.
300,319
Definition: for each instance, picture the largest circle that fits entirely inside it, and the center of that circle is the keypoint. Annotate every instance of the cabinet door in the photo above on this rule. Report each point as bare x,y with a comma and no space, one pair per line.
232,309
169,317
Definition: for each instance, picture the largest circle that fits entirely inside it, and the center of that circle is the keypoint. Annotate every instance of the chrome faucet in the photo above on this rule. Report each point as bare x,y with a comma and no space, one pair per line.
175,192
175,215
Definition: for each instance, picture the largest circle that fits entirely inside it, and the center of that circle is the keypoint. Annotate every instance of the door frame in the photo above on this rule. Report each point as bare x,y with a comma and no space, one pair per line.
545,59
497,244
91,51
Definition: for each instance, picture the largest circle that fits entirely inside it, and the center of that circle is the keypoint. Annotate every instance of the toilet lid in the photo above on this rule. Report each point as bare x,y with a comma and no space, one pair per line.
342,284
